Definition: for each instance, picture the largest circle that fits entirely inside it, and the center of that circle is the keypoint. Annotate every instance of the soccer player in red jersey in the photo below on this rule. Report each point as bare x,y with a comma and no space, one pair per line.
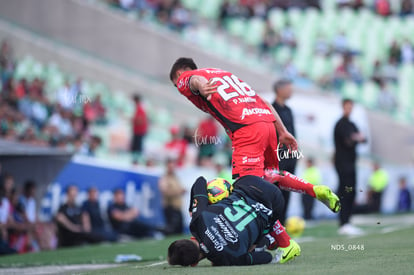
251,122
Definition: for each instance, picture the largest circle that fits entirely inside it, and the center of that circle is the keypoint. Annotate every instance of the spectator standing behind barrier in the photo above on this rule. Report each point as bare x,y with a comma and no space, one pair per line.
404,196
377,183
283,89
140,127
312,175
176,148
206,138
172,192
91,215
71,229
346,138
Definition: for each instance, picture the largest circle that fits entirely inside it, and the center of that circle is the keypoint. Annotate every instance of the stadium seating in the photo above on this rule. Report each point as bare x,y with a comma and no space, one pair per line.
118,104
367,33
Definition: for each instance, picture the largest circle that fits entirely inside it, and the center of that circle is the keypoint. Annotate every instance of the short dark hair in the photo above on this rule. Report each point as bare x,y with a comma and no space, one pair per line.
182,63
118,190
28,186
70,186
281,83
346,100
183,252
136,98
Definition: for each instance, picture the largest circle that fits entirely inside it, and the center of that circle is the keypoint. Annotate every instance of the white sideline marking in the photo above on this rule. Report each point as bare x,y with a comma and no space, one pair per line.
155,264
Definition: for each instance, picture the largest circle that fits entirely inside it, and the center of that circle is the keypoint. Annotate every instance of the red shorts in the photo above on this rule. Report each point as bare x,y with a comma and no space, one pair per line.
254,149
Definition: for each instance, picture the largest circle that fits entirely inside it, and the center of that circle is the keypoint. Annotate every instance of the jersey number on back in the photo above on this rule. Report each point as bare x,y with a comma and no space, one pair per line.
241,212
238,87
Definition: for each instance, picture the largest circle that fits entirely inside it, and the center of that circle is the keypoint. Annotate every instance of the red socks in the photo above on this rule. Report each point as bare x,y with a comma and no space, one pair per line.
293,183
282,239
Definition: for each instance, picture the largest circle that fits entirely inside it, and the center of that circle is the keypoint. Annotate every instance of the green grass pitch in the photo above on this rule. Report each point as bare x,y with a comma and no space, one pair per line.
385,249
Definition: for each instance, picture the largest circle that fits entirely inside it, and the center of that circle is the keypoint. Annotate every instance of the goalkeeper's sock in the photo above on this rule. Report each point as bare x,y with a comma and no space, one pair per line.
282,239
293,183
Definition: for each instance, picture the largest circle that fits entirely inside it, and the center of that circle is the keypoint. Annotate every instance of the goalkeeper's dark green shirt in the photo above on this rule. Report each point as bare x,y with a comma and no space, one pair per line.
227,230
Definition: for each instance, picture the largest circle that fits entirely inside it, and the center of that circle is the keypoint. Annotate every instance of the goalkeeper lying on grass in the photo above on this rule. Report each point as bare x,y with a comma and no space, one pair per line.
228,231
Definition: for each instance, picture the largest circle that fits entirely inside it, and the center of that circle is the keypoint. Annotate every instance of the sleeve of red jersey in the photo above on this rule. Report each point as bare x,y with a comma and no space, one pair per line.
183,84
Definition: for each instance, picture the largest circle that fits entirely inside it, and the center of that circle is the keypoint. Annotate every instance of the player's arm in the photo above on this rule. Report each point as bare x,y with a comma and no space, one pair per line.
199,198
285,137
203,86
65,222
253,258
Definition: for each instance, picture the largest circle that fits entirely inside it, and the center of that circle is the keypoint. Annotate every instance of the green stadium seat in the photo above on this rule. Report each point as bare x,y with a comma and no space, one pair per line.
254,31
236,52
348,19
210,9
277,18
55,80
295,17
22,71
220,46
191,4
351,90
356,38
320,67
282,55
87,88
302,62
204,36
328,5
395,6
38,70
328,24
369,95
236,26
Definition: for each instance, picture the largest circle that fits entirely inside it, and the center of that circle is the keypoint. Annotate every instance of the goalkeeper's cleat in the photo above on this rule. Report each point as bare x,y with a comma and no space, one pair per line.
285,254
326,196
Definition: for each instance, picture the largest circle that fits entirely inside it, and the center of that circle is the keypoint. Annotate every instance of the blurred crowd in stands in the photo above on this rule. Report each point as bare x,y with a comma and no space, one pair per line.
81,222
348,64
28,115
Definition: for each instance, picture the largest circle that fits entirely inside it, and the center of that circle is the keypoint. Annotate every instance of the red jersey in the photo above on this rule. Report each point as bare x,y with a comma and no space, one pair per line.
234,105
140,122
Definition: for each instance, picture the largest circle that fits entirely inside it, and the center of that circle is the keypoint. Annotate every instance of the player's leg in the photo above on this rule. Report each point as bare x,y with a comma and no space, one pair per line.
289,182
346,192
262,191
248,148
271,197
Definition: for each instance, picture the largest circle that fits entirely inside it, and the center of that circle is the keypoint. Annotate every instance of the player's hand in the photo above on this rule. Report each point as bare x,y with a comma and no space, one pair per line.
208,89
358,137
287,139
